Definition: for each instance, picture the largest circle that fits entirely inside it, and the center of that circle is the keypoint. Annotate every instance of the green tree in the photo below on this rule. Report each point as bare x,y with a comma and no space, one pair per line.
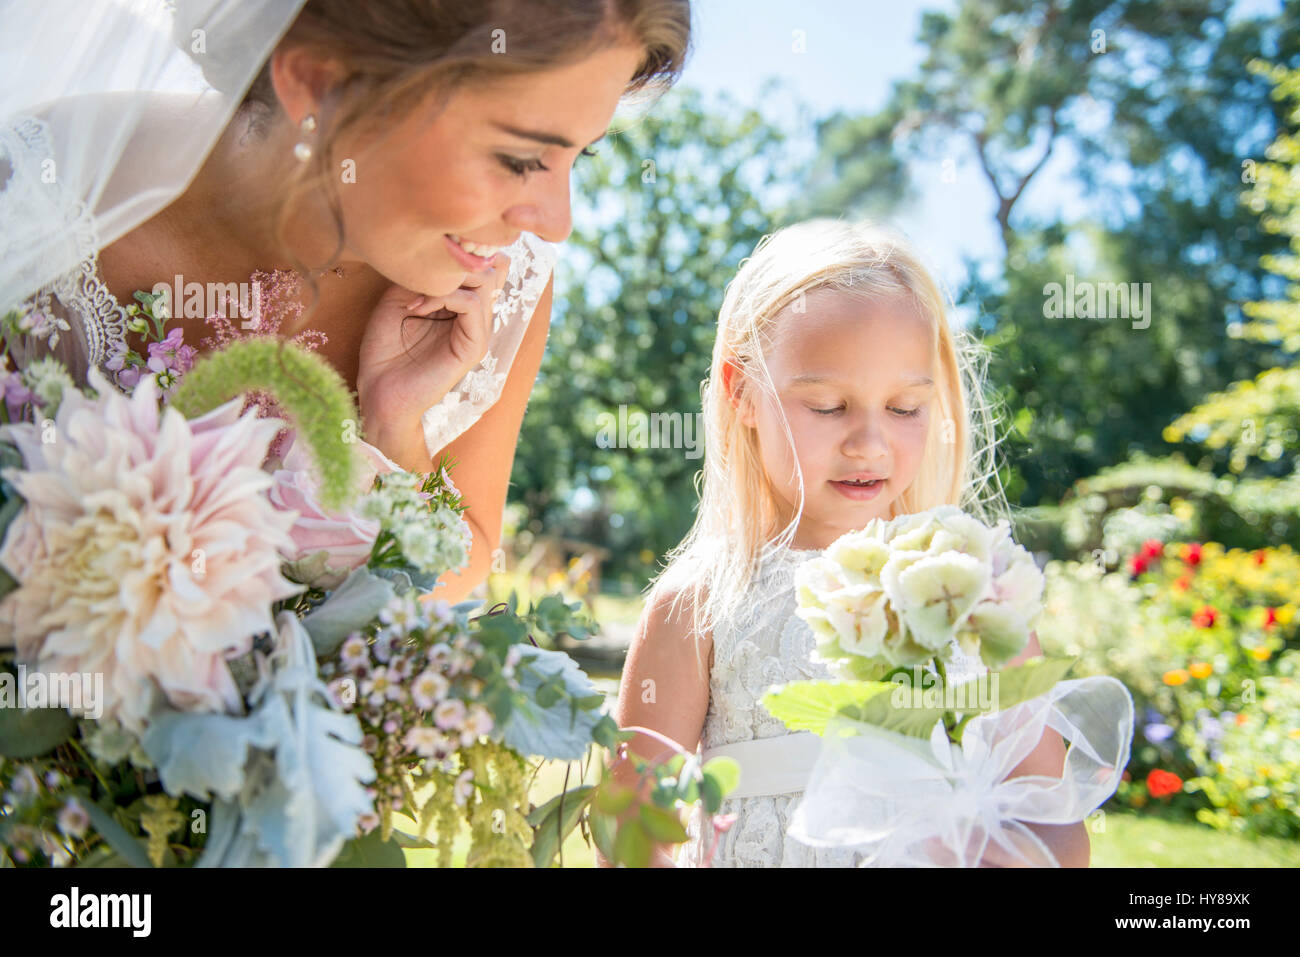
1255,420
675,207
1135,94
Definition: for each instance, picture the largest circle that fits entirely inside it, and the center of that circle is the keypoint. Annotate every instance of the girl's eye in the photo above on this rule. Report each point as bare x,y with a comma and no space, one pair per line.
828,411
522,168
588,152
916,411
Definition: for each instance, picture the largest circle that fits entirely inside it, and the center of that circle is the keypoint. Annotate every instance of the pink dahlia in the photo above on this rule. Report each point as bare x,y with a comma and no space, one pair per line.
148,548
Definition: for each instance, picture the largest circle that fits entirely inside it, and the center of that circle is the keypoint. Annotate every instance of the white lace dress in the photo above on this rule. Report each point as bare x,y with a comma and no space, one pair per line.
763,645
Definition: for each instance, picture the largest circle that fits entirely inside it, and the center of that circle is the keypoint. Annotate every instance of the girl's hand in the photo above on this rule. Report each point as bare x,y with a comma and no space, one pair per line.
414,351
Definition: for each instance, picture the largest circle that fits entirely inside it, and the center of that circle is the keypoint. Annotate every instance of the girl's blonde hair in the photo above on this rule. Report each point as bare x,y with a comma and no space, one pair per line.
739,511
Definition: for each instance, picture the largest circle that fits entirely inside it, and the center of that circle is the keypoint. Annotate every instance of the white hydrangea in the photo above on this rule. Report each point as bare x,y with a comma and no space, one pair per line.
898,593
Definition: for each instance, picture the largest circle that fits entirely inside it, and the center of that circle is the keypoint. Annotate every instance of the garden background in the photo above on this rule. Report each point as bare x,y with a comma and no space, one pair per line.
1153,469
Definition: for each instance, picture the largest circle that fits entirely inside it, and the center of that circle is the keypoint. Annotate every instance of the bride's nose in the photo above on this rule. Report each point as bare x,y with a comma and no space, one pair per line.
546,213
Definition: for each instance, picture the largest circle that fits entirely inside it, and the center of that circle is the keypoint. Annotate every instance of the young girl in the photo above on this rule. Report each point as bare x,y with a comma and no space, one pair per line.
837,394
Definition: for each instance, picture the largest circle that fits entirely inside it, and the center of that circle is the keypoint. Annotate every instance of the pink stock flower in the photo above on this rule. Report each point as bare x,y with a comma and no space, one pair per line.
147,550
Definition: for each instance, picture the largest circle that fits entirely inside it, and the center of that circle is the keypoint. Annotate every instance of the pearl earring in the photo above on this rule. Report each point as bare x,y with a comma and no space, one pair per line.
308,126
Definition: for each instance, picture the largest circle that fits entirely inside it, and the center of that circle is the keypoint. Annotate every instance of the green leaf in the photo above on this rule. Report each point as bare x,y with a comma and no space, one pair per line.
402,839
808,705
130,849
351,607
662,825
632,845
725,772
1036,676
603,832
31,732
370,851
549,829
711,794
610,800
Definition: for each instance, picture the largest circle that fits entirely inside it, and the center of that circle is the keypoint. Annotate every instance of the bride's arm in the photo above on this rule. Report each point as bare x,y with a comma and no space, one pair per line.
485,454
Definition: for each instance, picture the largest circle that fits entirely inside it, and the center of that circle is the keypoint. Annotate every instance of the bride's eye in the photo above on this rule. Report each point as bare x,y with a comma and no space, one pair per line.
827,411
522,168
588,152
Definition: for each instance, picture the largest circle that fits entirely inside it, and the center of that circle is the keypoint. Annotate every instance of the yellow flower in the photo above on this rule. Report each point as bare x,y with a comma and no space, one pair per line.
1261,654
1285,613
1177,676
1293,733
1201,669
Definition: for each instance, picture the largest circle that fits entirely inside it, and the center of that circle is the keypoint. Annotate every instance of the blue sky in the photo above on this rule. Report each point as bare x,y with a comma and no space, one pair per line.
852,51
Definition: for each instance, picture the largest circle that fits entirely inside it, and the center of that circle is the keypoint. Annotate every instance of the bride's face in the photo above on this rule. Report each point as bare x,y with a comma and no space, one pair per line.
493,163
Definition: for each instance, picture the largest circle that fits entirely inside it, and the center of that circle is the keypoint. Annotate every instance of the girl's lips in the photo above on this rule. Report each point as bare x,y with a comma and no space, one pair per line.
468,260
859,493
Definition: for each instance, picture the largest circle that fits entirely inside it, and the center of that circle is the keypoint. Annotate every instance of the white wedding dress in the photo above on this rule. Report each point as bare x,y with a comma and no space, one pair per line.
764,644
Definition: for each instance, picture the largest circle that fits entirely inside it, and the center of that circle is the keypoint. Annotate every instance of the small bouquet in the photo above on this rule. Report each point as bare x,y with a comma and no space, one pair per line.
220,643
919,616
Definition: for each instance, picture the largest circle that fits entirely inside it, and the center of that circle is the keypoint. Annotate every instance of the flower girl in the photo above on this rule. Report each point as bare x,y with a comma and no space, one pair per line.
837,394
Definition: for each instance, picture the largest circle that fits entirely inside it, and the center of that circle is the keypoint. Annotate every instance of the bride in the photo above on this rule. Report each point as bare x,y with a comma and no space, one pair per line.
399,169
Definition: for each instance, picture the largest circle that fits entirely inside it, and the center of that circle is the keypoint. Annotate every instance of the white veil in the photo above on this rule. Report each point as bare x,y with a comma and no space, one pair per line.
107,110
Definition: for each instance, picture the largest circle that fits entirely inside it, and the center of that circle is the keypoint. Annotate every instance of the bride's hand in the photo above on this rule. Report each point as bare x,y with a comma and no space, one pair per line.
414,351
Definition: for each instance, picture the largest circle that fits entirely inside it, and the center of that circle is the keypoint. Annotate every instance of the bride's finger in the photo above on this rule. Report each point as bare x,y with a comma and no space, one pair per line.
458,302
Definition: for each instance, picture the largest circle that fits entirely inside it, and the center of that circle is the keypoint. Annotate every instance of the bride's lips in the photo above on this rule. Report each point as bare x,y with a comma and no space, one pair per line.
467,259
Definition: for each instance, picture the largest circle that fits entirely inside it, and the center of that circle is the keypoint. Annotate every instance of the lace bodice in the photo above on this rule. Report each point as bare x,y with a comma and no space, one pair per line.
764,644
79,321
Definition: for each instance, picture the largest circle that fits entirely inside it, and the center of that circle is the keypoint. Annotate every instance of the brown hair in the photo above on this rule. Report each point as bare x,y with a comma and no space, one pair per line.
397,52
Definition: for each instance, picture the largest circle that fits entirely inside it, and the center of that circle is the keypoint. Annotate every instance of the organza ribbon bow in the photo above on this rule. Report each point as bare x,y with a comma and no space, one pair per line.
906,801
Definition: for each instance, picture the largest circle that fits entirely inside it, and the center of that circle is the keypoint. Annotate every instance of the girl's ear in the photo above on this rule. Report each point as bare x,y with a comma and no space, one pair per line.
733,381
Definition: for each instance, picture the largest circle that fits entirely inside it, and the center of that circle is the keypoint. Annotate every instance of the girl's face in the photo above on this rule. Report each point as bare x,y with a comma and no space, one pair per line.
855,380
493,163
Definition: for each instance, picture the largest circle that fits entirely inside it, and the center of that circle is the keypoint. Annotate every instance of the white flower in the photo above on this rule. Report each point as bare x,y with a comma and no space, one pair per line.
464,787
426,742
73,819
428,689
450,714
935,594
479,721
355,653
49,381
402,614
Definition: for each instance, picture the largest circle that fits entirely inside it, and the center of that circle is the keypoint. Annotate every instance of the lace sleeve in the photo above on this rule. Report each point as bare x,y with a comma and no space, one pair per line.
531,263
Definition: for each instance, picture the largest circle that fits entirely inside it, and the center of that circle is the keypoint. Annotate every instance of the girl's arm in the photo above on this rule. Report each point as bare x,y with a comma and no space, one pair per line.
1068,842
664,688
485,454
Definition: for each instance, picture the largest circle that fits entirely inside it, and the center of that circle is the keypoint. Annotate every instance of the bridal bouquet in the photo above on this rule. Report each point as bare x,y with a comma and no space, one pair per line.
919,616
220,642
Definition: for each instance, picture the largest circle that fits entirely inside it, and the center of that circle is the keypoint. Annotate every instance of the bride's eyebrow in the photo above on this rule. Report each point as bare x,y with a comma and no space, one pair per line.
539,136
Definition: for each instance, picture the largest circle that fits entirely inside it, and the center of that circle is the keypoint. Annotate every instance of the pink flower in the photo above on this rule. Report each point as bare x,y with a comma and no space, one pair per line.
341,541
147,551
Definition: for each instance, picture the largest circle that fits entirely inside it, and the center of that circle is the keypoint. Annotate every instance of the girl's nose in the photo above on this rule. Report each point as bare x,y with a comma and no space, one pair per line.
867,441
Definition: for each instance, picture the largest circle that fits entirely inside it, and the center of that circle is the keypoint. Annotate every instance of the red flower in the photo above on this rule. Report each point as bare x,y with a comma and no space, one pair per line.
1163,783
1206,617
1183,583
1259,556
1153,548
1137,565
1192,554
1270,617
